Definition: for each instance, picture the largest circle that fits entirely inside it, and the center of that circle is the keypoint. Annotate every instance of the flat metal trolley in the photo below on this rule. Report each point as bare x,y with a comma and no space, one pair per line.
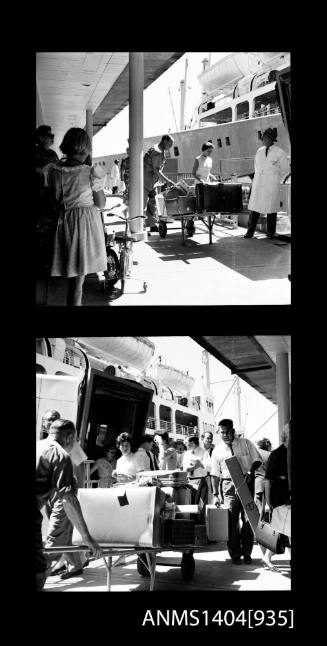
147,558
175,211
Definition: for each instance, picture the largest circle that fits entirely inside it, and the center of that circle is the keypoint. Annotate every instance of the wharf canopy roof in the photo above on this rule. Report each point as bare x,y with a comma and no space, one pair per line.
69,83
253,358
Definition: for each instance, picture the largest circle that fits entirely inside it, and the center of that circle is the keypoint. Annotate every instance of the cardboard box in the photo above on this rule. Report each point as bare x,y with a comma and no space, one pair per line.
243,491
217,523
123,515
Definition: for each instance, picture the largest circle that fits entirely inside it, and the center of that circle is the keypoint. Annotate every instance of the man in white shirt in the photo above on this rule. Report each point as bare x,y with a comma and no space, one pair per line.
115,176
167,454
144,456
194,464
240,540
208,445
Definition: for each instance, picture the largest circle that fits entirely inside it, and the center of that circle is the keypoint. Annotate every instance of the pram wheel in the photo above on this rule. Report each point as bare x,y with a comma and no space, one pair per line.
162,229
112,271
190,228
187,566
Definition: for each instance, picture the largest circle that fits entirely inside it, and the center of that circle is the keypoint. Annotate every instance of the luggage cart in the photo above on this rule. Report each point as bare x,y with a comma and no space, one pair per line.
146,558
174,210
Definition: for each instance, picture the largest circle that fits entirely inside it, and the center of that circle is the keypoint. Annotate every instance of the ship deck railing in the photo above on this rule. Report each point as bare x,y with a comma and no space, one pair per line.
164,426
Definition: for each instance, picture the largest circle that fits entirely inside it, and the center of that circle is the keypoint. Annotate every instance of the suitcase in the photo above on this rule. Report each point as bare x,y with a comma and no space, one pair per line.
268,537
217,523
218,198
179,532
122,515
183,205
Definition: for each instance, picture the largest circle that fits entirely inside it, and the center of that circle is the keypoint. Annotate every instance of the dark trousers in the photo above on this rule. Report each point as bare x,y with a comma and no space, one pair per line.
199,494
41,562
241,539
150,207
114,190
253,221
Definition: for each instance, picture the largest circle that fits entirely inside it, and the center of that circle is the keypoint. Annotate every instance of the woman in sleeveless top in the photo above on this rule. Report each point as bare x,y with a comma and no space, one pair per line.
203,164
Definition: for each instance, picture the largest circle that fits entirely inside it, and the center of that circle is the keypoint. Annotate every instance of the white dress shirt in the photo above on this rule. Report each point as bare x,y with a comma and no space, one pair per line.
243,449
190,456
127,465
143,462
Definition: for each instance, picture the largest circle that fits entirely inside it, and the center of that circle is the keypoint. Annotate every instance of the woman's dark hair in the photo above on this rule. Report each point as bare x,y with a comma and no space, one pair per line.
42,131
165,436
194,438
108,447
123,437
207,146
75,141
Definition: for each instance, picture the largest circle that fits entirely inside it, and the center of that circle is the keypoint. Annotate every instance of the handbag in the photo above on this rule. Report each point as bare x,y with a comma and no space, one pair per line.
269,537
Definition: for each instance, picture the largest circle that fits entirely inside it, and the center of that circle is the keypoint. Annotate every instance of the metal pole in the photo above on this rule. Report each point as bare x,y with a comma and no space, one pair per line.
238,404
221,405
183,95
283,394
136,86
89,126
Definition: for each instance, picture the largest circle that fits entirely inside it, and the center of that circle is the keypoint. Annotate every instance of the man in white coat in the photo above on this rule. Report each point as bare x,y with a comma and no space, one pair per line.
271,166
115,176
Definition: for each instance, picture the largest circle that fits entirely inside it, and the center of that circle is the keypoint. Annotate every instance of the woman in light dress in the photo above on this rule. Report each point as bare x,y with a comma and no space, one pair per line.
105,467
127,464
79,246
203,165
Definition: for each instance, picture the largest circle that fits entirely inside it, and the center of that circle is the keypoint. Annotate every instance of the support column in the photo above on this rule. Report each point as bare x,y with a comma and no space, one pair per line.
172,421
136,87
283,391
89,126
157,417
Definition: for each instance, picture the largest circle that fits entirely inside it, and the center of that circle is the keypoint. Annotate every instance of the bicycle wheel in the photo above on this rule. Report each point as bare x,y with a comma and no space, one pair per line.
112,271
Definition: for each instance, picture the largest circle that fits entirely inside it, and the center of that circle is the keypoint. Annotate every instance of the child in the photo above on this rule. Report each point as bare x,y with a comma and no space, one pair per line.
79,246
105,466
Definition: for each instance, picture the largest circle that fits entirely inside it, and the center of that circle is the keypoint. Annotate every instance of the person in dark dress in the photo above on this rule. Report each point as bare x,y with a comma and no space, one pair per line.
277,488
45,208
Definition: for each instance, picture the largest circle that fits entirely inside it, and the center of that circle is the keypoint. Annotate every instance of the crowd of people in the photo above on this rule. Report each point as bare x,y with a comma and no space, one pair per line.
70,196
60,471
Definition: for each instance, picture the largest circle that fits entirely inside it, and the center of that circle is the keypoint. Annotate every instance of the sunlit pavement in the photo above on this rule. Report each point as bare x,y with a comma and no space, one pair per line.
231,271
213,571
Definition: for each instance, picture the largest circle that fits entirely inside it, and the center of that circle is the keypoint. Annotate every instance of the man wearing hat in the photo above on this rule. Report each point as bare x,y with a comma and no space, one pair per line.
271,166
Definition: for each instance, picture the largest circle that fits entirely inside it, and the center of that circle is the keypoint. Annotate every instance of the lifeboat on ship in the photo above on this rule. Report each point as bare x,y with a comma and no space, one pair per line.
129,351
176,379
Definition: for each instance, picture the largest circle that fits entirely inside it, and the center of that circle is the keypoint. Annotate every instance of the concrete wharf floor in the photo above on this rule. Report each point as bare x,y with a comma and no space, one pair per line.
231,271
213,571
